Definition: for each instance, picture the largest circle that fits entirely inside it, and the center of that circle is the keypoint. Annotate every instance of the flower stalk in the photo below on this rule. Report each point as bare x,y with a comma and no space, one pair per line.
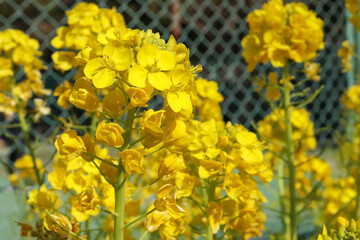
25,129
120,199
289,154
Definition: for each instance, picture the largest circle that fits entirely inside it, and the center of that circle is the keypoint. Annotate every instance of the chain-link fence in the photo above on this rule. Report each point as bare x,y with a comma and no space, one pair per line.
213,30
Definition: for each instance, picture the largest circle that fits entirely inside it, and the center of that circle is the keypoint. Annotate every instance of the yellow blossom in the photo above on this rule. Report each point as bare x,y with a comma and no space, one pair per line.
171,165
132,161
64,61
138,97
57,223
152,66
345,53
83,95
89,198
43,199
113,103
151,127
103,70
110,134
69,143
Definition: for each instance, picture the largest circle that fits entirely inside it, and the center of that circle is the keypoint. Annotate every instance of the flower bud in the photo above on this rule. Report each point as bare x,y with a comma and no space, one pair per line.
110,134
138,97
132,161
69,143
57,223
83,95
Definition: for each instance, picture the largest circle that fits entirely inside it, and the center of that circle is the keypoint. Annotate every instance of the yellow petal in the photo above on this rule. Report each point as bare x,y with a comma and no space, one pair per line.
93,66
104,78
173,101
120,56
175,211
159,80
147,54
137,76
166,61
185,100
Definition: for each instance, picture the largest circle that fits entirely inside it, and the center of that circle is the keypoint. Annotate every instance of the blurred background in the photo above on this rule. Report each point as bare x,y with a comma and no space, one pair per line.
213,30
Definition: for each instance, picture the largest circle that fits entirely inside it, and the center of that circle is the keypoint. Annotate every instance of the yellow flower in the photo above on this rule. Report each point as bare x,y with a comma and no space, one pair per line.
89,198
110,134
272,92
155,219
103,70
57,223
166,202
64,61
69,143
152,66
209,168
342,221
14,179
113,103
312,70
82,14
6,70
171,164
79,212
351,98
345,53
132,161
42,198
57,178
151,127
83,95
179,100
280,32
26,165
208,89
138,97
185,184
63,92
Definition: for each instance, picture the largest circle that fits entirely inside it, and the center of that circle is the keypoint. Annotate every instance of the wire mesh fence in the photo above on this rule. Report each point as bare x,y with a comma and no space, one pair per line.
213,30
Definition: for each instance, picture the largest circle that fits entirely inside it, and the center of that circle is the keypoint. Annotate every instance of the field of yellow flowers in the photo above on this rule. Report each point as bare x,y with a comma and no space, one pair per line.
179,171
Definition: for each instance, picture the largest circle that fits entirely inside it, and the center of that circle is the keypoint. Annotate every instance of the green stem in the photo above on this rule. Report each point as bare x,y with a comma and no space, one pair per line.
290,155
25,129
121,182
139,218
94,121
142,189
120,205
103,160
107,211
211,195
283,198
103,174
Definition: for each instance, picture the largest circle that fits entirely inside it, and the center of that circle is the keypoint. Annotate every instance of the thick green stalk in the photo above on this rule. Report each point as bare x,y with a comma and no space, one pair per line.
121,180
290,154
25,129
211,194
120,205
285,219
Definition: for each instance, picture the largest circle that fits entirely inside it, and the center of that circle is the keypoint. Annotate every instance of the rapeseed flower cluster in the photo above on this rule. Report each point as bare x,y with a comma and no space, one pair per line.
177,167
346,230
19,51
135,162
280,33
353,6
